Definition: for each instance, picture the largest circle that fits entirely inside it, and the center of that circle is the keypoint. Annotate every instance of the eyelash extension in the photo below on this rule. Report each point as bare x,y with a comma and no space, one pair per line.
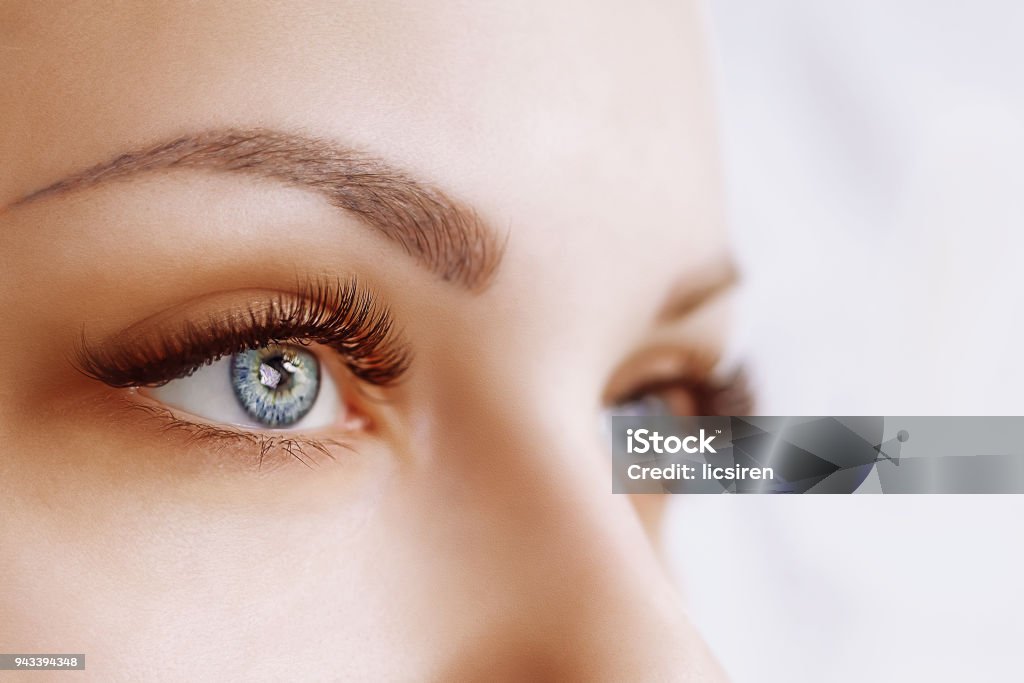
340,315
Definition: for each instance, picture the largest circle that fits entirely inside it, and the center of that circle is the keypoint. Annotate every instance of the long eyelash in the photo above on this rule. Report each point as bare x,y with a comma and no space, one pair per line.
340,315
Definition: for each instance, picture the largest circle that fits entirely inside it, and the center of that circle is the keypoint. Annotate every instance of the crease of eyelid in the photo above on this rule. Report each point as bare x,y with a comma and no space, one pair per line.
340,315
297,446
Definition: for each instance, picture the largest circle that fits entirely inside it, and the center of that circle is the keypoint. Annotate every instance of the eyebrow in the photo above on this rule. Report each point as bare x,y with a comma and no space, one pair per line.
444,235
700,287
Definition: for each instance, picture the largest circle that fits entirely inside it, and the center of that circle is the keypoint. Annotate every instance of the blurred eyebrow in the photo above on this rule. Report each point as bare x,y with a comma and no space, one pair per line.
699,287
444,235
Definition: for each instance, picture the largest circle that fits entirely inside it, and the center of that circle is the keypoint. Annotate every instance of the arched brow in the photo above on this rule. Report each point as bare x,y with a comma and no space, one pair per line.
444,235
700,286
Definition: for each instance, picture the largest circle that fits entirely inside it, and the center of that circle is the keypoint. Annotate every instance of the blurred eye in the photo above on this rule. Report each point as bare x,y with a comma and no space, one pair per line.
280,386
683,396
669,398
663,398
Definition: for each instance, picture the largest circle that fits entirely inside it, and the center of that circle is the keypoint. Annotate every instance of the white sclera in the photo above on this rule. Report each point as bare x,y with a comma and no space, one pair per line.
207,393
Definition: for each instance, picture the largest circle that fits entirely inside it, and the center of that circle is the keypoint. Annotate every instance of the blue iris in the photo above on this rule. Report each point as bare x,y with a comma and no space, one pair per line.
277,385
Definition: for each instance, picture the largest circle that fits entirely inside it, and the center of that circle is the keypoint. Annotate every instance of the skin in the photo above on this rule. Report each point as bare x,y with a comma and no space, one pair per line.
470,532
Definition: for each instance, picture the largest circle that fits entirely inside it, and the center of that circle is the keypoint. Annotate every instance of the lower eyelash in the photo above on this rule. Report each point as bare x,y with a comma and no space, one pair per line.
262,447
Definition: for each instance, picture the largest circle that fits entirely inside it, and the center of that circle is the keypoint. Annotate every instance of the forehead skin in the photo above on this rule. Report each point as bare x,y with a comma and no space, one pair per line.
582,127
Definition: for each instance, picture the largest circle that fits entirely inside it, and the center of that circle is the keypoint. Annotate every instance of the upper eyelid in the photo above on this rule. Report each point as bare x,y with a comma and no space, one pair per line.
340,314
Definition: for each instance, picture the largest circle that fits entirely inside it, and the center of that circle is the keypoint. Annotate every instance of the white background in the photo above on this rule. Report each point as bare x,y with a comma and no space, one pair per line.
873,156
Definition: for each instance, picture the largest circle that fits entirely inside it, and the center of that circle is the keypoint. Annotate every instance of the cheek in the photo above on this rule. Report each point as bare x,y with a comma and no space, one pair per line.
198,584
204,564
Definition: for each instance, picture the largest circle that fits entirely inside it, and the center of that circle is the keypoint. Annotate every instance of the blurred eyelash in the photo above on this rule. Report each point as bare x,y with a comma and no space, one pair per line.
730,394
340,315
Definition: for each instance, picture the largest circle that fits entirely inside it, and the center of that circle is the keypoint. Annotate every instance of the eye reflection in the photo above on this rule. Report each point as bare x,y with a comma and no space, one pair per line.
280,386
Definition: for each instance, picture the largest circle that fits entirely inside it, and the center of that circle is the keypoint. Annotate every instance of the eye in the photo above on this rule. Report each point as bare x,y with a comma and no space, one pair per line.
664,398
280,386
685,395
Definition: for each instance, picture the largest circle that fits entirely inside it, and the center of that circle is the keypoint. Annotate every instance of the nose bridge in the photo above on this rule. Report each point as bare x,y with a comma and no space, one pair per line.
569,581
592,599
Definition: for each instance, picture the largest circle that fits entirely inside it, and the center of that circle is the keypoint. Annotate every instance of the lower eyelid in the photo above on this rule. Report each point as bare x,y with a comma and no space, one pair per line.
249,449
